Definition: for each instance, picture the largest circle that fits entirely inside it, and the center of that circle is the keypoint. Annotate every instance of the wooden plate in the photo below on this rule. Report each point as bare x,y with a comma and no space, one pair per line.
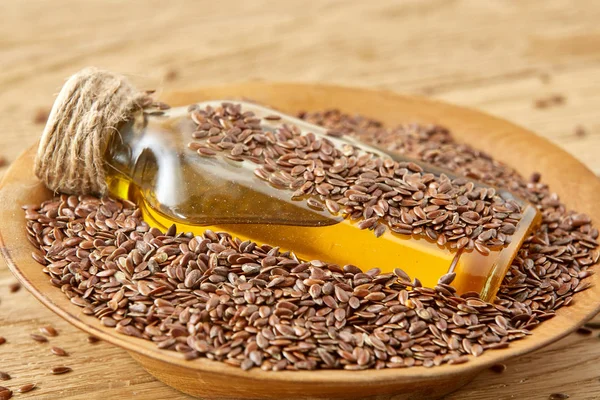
577,186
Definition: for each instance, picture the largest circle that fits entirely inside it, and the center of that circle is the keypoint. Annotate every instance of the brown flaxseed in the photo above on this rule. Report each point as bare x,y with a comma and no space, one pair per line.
39,338
48,331
558,396
57,351
27,388
498,368
14,287
92,339
60,370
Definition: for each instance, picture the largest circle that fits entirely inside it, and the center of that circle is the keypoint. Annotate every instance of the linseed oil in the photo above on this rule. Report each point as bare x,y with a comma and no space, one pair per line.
151,164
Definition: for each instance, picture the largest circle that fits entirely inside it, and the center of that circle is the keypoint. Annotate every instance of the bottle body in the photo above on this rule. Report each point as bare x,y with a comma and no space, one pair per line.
264,180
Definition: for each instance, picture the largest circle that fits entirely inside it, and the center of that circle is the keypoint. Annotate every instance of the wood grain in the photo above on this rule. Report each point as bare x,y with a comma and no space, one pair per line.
496,56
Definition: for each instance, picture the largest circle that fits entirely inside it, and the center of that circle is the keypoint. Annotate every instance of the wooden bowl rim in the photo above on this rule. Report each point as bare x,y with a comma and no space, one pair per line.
59,304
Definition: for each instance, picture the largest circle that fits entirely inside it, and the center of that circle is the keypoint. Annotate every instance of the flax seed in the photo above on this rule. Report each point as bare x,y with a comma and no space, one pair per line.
26,388
60,370
498,368
14,287
57,351
48,331
39,338
558,396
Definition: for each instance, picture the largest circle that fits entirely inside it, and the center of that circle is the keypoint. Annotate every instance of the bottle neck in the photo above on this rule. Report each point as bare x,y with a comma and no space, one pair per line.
119,156
148,152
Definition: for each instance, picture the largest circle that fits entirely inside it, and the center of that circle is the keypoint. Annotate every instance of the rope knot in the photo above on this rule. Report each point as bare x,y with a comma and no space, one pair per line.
88,110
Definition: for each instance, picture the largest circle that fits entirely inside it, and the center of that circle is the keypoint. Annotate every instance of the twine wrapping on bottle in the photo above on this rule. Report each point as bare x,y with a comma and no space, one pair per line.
88,110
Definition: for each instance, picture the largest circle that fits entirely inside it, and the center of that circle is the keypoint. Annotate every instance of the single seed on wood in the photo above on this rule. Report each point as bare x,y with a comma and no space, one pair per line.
4,376
57,351
14,287
60,370
26,388
39,338
48,331
558,396
498,368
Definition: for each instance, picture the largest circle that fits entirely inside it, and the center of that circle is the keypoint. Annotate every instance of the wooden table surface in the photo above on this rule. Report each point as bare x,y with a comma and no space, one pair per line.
504,57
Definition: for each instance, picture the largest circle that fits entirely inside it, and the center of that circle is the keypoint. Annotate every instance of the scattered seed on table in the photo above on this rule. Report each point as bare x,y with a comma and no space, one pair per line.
39,338
2,340
60,370
4,376
26,388
558,396
48,331
14,287
57,351
498,368
92,339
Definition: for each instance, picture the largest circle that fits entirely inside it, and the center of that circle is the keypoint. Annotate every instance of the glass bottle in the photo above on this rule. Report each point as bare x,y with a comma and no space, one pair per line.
165,162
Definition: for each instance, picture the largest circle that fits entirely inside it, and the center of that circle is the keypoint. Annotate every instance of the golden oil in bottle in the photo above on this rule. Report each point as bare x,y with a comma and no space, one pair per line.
153,164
